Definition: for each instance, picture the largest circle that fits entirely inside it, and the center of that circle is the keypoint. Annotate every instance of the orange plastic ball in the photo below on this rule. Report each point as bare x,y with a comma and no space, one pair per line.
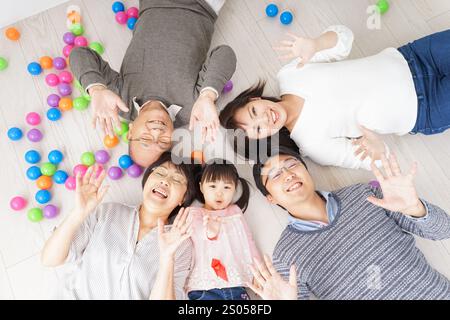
65,104
44,182
198,157
74,17
110,142
46,62
12,34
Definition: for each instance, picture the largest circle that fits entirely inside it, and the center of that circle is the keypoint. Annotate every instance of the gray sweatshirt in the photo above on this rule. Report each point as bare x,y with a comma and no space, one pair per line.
167,59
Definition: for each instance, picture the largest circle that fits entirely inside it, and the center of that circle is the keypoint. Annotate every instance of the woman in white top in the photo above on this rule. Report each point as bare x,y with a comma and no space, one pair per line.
334,110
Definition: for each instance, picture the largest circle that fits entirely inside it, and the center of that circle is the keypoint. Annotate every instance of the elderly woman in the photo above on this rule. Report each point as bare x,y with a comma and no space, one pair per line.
125,252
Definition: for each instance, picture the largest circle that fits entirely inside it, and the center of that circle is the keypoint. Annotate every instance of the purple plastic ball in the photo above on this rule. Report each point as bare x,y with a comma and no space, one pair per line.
64,89
50,211
134,171
115,173
228,87
59,63
53,100
102,156
374,184
34,135
68,38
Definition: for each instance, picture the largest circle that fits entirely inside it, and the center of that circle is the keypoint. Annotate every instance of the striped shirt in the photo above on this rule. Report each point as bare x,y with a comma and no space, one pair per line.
365,253
109,263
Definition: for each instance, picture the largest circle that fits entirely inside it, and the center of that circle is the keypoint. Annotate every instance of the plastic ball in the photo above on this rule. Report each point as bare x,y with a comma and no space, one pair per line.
88,158
115,173
110,142
80,41
50,211
44,182
272,10
102,156
198,157
80,103
77,29
118,6
34,68
12,34
46,62
67,50
60,177
134,171
374,184
33,118
64,89
68,38
228,86
35,215
79,169
59,63
32,157
97,47
99,170
123,128
55,156
18,203
131,22
52,79
53,114
65,104
124,137
125,161
43,196
286,17
66,77
383,6
15,134
121,17
33,173
133,12
48,169
53,100
71,183
34,135
3,64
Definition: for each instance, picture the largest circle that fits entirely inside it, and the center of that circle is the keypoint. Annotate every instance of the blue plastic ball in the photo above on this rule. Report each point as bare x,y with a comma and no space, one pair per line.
118,6
43,196
32,157
15,134
34,68
55,156
53,114
125,161
272,10
286,17
60,177
131,22
33,173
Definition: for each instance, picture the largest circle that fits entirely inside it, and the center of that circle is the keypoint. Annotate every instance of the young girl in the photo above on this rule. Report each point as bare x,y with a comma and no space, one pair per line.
223,244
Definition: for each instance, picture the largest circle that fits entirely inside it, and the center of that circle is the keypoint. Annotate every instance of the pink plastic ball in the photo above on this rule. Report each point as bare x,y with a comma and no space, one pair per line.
134,171
121,17
33,118
67,49
66,77
99,170
34,135
50,211
133,12
18,203
64,89
52,79
80,41
102,156
71,183
59,63
81,169
115,173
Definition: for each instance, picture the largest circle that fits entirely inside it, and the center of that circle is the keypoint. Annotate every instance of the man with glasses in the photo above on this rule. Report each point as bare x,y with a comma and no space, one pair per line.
167,79
353,243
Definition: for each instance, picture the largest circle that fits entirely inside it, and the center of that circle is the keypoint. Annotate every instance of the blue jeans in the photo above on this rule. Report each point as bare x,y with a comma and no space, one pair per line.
429,61
236,293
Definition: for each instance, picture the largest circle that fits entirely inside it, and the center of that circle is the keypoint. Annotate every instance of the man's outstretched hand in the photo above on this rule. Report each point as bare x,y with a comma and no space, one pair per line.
204,113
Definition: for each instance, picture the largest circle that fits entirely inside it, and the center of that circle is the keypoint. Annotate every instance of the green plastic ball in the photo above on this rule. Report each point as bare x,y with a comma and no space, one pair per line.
80,103
35,215
88,159
97,47
3,64
123,128
77,29
124,137
383,6
48,169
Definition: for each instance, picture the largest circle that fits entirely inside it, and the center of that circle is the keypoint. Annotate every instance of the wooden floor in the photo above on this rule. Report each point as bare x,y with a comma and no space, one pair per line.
242,25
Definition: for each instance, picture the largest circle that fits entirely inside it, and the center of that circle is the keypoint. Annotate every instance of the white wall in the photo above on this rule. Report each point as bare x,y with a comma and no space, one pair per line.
15,10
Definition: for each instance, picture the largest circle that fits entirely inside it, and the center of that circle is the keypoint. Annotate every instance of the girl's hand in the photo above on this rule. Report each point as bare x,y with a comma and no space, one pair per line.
298,47
212,225
169,241
369,145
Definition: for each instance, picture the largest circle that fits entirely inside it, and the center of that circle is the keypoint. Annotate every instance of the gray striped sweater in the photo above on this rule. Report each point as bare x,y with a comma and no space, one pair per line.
365,253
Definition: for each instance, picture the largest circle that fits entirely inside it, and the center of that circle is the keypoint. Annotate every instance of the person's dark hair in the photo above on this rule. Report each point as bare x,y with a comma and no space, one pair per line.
185,167
223,170
257,168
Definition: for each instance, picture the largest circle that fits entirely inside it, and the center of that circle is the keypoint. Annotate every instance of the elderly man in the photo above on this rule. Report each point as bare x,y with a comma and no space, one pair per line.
167,78
353,243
